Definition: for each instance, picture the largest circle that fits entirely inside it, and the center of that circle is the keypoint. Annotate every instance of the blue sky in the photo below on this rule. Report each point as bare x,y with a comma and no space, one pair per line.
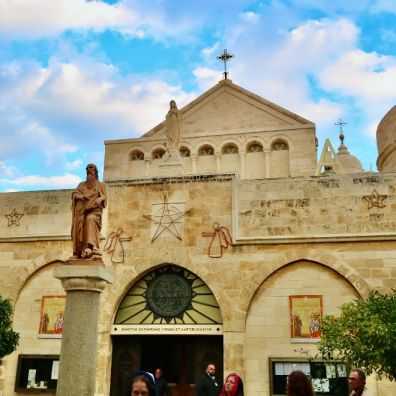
74,73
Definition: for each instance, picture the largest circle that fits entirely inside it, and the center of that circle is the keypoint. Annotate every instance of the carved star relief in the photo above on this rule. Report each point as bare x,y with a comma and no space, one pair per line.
13,218
167,219
375,199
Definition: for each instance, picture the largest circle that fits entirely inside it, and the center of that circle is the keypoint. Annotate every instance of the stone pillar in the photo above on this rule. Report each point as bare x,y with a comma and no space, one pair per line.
242,156
147,165
77,366
193,164
267,163
218,157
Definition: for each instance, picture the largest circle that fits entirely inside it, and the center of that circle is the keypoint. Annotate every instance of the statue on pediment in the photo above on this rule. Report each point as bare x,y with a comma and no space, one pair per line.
173,126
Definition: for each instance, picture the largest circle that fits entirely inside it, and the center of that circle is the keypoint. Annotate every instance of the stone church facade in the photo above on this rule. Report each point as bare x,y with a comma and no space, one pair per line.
215,253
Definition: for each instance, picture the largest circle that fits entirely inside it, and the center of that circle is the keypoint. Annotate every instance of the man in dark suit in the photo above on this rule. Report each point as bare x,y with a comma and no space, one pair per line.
161,386
207,384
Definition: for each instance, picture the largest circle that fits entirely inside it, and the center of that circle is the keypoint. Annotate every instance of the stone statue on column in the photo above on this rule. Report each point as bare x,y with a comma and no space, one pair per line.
88,201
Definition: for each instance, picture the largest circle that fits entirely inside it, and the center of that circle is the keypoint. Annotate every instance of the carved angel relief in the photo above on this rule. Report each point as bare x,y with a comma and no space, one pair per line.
221,239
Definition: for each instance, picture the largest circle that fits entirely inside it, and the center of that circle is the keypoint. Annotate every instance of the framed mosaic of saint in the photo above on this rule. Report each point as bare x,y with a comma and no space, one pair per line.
305,317
51,316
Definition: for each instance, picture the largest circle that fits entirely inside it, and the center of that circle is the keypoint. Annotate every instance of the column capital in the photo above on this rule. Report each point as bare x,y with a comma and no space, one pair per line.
83,277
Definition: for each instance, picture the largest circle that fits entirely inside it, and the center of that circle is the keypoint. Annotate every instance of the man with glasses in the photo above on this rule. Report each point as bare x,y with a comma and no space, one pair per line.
357,383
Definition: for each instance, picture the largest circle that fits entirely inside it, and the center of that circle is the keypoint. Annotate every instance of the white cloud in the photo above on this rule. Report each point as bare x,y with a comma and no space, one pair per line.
46,18
7,170
50,18
73,165
56,109
250,17
210,52
364,75
383,6
65,181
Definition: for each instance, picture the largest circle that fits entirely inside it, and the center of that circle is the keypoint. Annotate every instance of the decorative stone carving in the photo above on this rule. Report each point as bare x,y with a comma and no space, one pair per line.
168,218
375,200
13,218
221,239
114,245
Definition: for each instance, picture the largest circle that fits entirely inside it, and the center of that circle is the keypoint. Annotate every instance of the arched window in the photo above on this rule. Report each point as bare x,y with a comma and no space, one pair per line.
137,155
230,148
279,145
158,153
254,147
184,151
206,150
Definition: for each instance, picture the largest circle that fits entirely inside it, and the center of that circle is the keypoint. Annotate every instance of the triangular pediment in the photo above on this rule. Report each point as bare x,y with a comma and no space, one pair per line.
228,108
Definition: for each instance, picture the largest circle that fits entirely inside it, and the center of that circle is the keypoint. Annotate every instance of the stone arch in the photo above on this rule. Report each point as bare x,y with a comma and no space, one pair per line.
268,329
22,274
125,283
169,295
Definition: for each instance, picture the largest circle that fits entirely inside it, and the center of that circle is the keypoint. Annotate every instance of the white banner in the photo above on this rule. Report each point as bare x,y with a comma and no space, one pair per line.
167,329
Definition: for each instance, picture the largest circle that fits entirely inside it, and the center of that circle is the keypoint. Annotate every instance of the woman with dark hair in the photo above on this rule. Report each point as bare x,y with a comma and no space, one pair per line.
233,386
142,384
298,384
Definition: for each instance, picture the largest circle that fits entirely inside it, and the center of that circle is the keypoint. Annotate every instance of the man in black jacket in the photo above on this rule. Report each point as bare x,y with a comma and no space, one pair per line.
207,385
161,386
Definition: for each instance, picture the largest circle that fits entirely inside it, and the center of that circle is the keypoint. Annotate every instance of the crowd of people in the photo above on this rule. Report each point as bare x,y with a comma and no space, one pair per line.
298,384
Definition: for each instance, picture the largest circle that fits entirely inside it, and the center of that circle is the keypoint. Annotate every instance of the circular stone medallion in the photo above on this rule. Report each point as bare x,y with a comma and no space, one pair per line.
169,295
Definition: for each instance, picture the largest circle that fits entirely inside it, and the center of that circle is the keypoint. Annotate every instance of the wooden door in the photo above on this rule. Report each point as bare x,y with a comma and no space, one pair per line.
182,359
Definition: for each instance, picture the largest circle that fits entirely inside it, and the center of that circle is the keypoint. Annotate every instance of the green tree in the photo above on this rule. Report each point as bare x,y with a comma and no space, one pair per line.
8,338
364,335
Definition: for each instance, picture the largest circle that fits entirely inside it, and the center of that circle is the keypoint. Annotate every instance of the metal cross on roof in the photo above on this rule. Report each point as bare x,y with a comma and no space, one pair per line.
225,57
340,124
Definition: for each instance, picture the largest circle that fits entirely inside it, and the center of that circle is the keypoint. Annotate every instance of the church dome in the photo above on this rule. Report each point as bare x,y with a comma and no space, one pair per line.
386,142
348,162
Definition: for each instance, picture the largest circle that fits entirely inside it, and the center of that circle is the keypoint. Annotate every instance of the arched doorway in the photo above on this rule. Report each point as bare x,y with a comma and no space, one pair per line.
168,319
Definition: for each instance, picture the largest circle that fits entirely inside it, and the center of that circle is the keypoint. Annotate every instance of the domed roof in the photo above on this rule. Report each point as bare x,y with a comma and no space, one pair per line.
386,139
349,163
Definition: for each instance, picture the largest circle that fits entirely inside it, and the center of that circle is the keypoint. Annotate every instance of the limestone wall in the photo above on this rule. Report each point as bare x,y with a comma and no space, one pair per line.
251,280
316,207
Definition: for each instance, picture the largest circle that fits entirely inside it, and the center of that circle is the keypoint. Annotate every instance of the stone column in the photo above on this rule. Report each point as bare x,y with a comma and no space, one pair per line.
147,165
218,158
267,163
77,366
193,164
242,156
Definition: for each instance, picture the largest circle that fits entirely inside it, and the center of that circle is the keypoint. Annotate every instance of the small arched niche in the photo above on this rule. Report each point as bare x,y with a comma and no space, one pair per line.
206,149
230,148
136,155
158,153
185,152
254,147
279,159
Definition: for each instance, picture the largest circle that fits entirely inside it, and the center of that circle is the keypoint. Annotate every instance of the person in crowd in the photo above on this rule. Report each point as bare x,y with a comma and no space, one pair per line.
207,384
161,386
233,386
142,384
357,383
298,384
